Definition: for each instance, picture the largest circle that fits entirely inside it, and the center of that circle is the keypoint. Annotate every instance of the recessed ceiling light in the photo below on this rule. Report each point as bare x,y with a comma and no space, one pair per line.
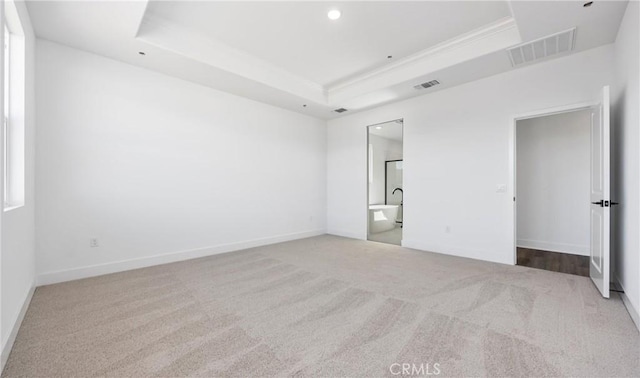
378,127
587,5
142,53
334,14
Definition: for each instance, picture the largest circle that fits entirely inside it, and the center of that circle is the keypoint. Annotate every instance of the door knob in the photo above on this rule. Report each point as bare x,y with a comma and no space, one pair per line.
601,203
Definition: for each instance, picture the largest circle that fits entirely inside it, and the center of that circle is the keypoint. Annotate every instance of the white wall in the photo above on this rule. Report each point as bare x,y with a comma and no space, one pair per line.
17,249
552,182
383,150
626,158
152,165
457,150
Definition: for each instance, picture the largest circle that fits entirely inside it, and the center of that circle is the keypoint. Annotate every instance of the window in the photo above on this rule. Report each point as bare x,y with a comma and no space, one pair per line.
13,125
5,123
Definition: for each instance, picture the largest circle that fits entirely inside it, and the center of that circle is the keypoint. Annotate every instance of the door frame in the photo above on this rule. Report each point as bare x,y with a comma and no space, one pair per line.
512,157
366,129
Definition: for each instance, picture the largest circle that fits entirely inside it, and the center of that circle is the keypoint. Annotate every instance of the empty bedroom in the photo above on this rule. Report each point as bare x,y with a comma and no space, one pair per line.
320,188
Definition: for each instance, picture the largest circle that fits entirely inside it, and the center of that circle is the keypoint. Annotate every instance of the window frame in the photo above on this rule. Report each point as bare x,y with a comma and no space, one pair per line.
13,131
6,126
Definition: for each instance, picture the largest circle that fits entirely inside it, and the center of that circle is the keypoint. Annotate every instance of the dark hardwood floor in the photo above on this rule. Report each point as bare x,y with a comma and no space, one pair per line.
554,261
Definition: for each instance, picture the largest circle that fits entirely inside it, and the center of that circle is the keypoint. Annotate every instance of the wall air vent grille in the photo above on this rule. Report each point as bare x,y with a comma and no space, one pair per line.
542,48
340,110
428,84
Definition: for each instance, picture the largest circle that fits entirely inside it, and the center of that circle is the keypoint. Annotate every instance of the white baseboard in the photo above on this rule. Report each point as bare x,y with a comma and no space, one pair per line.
6,348
346,234
574,249
633,312
49,278
469,253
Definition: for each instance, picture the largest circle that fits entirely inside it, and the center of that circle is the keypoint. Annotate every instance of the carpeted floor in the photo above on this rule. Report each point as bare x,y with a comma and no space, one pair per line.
326,306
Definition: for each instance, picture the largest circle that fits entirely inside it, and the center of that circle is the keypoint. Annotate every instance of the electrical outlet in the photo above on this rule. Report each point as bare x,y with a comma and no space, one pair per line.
93,242
447,229
501,188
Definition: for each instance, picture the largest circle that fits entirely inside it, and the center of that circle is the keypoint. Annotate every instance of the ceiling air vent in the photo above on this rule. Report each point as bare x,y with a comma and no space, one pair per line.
541,48
428,84
340,110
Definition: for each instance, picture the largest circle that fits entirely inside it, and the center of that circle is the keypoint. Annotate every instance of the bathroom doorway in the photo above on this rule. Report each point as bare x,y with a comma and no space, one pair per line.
385,182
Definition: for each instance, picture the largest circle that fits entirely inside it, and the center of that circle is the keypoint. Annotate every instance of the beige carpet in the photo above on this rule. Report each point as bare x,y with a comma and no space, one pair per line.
325,306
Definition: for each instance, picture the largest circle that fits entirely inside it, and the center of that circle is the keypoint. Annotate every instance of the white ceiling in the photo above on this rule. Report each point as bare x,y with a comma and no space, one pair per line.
290,54
301,39
389,130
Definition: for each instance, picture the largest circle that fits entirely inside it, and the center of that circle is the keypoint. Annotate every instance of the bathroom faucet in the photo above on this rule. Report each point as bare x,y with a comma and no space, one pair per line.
401,201
394,192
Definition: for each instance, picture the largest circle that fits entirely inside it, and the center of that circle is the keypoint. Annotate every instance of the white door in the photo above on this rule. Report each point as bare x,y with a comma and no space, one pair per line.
600,194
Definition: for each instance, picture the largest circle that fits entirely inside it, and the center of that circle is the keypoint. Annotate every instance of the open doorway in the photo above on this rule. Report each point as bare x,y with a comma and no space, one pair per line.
554,205
385,188
553,175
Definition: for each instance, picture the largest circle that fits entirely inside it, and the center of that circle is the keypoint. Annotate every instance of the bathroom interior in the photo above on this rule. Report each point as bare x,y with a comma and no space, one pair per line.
385,165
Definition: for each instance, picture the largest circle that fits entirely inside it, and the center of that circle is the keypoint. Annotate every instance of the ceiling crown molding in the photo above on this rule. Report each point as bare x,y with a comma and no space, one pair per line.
161,33
491,38
506,24
164,34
